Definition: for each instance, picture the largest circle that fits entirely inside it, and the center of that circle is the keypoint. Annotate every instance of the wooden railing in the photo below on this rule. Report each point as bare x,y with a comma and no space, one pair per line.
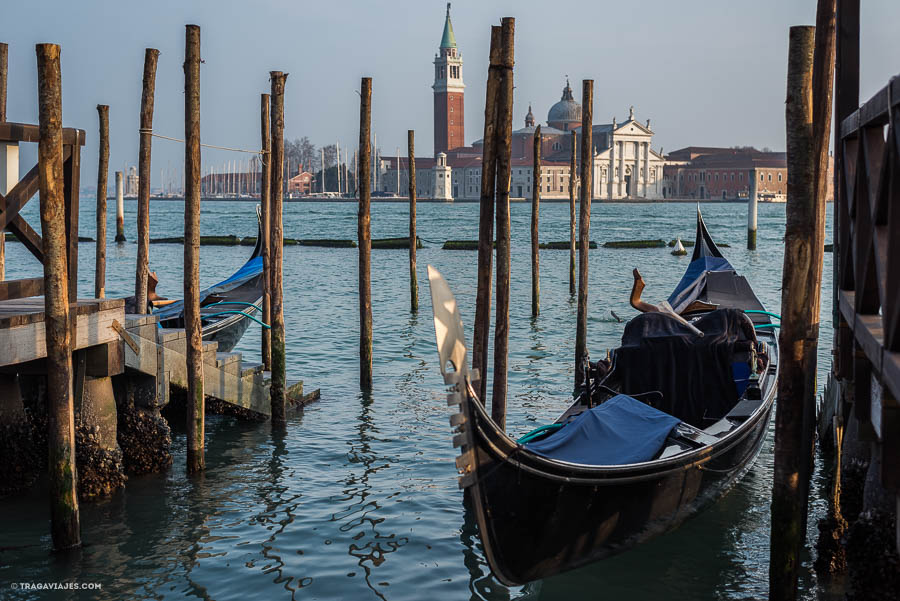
868,282
11,204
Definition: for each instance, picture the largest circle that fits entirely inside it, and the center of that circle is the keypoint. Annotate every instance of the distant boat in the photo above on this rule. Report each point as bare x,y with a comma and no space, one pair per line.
669,427
227,308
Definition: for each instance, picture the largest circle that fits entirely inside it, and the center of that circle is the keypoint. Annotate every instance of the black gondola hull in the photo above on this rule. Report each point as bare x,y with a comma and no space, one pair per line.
536,521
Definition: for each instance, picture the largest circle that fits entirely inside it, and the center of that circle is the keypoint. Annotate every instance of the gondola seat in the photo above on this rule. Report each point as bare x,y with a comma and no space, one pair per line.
699,378
621,431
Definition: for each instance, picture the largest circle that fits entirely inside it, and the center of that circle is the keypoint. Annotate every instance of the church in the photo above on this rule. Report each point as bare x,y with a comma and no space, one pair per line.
625,165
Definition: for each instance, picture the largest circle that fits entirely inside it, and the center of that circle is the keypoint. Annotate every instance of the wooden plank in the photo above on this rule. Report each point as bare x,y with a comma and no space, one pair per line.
126,337
27,342
869,334
15,289
26,132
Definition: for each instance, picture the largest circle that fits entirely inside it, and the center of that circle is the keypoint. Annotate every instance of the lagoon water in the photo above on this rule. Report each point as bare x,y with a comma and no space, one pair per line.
359,499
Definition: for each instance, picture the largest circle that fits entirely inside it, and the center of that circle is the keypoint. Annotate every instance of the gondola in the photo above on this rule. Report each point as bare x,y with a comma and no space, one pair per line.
665,429
227,308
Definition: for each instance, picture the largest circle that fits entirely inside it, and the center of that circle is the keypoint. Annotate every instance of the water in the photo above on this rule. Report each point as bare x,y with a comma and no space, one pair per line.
358,500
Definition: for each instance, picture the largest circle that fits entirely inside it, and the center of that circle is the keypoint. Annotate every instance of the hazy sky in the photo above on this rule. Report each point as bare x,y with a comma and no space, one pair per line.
707,72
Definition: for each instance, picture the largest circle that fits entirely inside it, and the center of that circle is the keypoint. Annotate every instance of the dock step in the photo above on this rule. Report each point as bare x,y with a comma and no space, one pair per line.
251,369
229,362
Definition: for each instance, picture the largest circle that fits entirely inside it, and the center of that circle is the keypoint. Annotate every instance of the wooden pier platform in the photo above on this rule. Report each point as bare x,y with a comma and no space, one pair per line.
22,326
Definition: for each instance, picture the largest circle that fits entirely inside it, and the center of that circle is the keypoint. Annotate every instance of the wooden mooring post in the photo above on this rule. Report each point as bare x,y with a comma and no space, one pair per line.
276,198
266,217
535,213
503,136
482,325
798,339
4,74
102,172
151,56
64,517
572,180
584,229
196,461
413,281
364,236
120,207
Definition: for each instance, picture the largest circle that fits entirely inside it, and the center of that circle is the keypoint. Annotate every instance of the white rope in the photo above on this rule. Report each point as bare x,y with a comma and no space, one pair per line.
150,131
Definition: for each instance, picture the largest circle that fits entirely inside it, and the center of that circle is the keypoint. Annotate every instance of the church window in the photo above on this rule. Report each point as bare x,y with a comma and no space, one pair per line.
779,177
762,177
740,177
770,177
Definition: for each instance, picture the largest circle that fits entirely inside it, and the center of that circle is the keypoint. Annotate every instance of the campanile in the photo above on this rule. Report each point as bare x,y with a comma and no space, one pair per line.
449,117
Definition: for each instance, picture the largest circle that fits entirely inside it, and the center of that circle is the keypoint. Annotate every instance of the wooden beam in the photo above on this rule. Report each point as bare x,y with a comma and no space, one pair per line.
13,289
27,236
18,197
26,132
71,187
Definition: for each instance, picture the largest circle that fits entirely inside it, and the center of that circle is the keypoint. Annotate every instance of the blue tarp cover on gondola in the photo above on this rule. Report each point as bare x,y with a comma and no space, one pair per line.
620,431
251,269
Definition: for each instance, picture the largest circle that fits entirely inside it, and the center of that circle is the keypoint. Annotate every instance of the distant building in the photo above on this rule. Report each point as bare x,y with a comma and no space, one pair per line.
624,164
131,182
302,183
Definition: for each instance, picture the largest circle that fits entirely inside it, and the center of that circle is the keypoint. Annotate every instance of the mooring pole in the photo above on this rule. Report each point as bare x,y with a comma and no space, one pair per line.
196,461
120,207
572,180
535,211
486,221
413,239
4,73
584,229
503,136
751,211
276,198
64,519
800,298
151,56
364,237
102,172
266,230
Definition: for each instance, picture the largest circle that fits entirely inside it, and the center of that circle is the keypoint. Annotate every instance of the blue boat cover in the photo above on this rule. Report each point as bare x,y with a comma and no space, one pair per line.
250,270
620,431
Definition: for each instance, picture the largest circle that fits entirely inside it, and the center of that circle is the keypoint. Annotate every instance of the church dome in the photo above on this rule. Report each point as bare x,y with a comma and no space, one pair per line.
565,112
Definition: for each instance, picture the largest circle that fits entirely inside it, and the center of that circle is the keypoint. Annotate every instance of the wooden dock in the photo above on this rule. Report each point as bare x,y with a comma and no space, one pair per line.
22,324
161,354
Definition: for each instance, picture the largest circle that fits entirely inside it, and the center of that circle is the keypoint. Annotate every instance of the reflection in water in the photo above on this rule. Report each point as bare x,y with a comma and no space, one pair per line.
482,584
274,498
371,546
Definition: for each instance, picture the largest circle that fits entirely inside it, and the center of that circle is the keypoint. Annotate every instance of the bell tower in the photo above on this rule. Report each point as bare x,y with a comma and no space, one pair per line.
449,116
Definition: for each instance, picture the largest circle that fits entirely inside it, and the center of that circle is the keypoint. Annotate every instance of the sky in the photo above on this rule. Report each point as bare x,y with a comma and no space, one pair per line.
706,72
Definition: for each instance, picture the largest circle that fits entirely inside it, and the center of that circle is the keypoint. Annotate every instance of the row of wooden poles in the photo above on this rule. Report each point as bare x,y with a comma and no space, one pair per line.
63,480
495,182
808,106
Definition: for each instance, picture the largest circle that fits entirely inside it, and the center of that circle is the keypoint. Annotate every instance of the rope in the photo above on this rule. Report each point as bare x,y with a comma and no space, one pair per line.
150,131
